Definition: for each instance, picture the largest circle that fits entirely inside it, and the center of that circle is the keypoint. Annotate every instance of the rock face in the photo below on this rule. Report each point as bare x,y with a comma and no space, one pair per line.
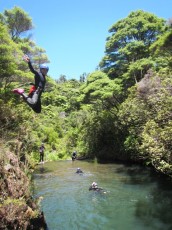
17,208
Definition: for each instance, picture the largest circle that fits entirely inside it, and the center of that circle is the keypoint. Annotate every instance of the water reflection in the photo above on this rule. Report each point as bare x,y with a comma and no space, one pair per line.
153,209
137,198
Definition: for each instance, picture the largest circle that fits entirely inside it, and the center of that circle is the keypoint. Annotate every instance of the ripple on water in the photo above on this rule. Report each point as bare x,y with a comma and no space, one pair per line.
135,197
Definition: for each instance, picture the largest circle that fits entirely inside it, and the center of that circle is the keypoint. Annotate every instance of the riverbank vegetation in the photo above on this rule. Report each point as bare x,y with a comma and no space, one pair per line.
122,111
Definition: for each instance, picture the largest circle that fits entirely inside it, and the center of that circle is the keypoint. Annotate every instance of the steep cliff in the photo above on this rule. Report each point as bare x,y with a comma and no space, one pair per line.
18,210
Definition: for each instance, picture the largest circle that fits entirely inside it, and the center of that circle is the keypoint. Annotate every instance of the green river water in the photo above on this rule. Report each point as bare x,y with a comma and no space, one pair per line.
135,198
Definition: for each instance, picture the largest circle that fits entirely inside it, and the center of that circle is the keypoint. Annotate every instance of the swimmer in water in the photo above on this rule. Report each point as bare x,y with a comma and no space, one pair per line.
95,187
79,171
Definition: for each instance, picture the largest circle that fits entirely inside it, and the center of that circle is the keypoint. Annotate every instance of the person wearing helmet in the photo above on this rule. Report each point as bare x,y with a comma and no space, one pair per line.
74,155
79,171
33,99
95,187
41,152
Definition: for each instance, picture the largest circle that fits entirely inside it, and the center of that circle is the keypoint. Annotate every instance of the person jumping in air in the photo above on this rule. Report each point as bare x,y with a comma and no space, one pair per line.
33,99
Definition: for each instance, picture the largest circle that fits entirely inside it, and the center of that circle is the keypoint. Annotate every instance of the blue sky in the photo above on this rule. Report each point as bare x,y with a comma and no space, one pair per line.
74,32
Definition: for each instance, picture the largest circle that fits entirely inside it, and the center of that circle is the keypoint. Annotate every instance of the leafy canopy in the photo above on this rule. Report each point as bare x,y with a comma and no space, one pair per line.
130,41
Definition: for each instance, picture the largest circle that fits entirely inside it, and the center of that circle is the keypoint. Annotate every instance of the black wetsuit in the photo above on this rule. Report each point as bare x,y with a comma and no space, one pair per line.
95,189
34,98
41,151
79,171
74,155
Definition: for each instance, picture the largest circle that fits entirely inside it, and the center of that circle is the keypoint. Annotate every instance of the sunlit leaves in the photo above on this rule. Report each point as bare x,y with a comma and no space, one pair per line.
18,22
147,115
99,87
9,55
129,42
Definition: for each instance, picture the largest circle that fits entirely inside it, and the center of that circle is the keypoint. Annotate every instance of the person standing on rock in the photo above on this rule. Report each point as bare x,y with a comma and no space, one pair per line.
41,152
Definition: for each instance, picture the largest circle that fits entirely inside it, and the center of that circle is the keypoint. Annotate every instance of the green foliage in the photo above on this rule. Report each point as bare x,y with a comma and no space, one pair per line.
163,44
138,69
162,49
147,114
18,22
122,112
8,63
127,49
100,89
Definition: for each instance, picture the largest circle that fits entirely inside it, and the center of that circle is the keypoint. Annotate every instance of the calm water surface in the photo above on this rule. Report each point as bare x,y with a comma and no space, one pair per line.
136,199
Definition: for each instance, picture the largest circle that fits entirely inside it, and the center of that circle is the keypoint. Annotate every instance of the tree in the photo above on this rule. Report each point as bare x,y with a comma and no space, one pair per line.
99,87
146,114
62,79
39,55
83,77
130,41
18,22
162,49
8,56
